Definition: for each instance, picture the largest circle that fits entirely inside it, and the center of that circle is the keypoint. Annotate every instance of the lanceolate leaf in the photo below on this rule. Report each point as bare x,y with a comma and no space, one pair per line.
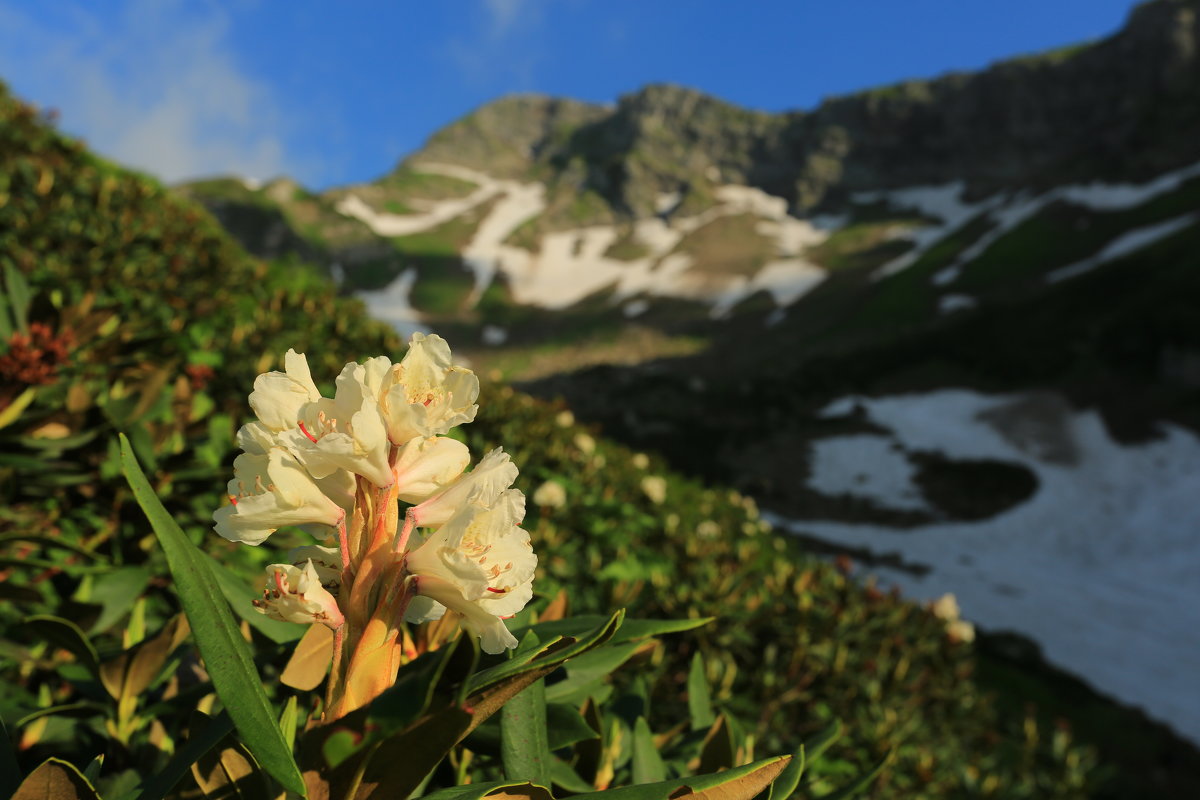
310,661
66,634
225,653
741,783
524,747
55,779
10,773
860,783
699,698
198,743
648,766
497,789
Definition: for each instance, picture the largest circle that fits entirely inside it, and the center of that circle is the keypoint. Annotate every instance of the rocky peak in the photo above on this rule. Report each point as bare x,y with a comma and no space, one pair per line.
1123,108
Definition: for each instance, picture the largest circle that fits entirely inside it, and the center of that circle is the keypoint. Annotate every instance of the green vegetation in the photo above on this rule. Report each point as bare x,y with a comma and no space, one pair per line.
409,182
1062,234
627,247
527,235
863,244
163,323
728,245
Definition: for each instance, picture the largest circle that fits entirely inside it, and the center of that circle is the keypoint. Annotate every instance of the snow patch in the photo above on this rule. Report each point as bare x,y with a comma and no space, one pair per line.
955,302
1129,242
494,335
865,465
391,304
1005,211
635,308
1098,566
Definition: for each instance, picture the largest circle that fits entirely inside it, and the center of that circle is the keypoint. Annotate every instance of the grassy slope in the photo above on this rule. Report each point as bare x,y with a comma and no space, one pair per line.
150,287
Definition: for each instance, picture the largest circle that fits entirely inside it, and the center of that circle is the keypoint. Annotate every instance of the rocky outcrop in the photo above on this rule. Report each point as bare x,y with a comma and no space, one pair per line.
1124,108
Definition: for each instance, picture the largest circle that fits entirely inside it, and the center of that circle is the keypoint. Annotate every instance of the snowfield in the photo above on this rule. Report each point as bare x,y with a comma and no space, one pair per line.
572,265
1099,566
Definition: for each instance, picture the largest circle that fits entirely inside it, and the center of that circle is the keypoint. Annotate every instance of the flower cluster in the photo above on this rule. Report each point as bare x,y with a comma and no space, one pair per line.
344,466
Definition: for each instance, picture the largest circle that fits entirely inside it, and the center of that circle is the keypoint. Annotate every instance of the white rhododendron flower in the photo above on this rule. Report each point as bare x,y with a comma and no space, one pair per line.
494,473
426,466
425,394
268,492
346,432
348,469
295,594
278,396
479,564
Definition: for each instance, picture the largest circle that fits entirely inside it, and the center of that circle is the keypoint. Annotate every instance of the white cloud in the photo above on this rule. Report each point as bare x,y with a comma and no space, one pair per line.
504,14
155,87
503,45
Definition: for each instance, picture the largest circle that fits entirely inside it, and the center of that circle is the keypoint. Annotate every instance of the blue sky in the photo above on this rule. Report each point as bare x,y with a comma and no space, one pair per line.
335,93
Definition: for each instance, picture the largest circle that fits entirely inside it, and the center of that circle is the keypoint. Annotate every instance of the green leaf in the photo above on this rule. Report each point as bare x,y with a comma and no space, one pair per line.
180,764
699,699
563,775
92,770
10,772
860,783
12,412
739,783
565,726
225,653
55,779
66,634
785,785
477,791
524,745
558,650
239,594
818,744
83,708
631,630
19,297
287,720
648,765
116,592
586,673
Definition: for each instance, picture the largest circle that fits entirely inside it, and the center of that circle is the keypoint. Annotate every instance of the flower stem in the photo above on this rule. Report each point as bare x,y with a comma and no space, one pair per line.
344,542
402,539
335,670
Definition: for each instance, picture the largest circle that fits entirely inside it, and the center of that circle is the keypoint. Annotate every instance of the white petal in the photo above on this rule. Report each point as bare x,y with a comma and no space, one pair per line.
425,466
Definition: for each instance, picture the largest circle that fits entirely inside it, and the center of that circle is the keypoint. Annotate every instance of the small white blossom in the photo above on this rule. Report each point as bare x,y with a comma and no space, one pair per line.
295,594
550,495
945,607
479,564
268,492
960,630
655,487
